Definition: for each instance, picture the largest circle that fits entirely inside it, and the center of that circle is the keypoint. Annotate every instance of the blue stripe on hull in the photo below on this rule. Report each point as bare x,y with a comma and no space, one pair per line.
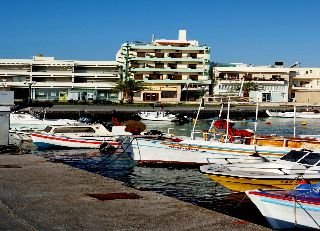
43,145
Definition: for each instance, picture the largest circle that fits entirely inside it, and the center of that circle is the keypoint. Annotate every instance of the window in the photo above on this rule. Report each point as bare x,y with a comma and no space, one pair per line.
159,65
293,156
168,94
310,159
138,76
159,55
74,130
172,65
53,93
192,66
193,77
141,54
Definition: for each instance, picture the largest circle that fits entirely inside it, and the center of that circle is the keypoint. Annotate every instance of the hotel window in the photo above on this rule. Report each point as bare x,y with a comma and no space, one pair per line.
193,55
159,55
172,65
175,55
192,66
159,65
193,77
141,54
138,76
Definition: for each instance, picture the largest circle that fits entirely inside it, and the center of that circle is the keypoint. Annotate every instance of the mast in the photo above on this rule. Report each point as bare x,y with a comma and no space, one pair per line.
195,122
294,120
255,126
228,119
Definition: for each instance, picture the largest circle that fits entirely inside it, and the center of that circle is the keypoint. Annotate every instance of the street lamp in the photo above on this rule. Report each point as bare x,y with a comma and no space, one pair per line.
29,83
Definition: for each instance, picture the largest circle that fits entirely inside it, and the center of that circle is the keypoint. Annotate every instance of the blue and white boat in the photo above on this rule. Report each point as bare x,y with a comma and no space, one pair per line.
283,209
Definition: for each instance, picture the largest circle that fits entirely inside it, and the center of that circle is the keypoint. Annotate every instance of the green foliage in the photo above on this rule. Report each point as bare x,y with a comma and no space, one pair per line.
129,87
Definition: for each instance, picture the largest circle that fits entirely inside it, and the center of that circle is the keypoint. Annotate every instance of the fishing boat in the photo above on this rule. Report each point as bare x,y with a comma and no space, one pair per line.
157,116
77,136
289,209
284,173
306,114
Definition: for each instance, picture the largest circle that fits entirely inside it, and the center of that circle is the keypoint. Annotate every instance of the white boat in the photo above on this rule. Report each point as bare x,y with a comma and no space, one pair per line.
194,152
25,120
298,208
157,116
197,150
283,173
308,114
77,136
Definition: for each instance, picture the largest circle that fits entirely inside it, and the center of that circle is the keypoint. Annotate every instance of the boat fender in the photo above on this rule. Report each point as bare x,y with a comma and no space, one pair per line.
205,134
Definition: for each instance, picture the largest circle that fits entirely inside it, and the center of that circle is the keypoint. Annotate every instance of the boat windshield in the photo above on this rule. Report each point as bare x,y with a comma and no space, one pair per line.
47,129
311,159
74,130
294,156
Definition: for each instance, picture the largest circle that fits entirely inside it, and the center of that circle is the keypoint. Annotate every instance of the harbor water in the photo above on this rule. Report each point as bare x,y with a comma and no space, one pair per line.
186,184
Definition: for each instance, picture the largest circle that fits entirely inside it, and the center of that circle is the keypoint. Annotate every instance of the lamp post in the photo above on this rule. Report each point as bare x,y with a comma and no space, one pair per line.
30,83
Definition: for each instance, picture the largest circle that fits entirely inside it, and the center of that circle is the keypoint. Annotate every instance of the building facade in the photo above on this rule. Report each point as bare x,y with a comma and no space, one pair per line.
171,70
44,78
305,85
267,83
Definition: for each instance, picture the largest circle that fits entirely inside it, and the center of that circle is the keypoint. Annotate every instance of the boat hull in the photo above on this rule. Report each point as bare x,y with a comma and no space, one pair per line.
241,184
44,141
286,212
152,151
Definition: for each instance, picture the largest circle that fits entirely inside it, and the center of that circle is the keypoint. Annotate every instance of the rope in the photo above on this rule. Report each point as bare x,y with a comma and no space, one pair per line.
295,218
124,150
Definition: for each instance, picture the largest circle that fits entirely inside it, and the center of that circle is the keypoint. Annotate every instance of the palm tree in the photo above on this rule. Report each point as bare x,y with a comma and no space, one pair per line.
129,87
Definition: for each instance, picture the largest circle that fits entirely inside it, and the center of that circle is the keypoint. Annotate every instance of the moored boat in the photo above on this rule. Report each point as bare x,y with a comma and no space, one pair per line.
307,114
284,173
157,116
77,136
20,121
298,208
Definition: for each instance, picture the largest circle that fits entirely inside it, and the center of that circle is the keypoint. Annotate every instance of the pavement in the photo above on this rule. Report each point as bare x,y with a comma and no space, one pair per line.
40,195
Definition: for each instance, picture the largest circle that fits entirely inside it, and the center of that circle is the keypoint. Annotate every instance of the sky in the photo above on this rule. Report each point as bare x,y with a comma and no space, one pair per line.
256,32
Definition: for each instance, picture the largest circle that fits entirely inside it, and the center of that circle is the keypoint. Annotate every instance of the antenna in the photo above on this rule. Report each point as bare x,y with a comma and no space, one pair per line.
153,36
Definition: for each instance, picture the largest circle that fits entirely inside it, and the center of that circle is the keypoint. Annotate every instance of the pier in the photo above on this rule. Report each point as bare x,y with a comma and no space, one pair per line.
37,194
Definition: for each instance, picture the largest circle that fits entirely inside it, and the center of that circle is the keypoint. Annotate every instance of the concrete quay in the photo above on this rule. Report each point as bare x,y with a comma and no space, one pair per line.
40,195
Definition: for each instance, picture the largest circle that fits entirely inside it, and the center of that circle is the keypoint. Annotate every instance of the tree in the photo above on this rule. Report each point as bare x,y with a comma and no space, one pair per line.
129,87
247,87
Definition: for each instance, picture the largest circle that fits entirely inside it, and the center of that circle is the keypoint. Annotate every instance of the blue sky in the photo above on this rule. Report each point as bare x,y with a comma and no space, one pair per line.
248,31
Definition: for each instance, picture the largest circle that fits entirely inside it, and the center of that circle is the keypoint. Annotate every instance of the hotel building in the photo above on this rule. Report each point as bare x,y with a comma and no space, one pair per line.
171,70
45,78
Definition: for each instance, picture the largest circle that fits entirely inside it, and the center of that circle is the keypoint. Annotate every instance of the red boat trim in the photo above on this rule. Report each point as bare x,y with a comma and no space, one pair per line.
72,140
287,198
